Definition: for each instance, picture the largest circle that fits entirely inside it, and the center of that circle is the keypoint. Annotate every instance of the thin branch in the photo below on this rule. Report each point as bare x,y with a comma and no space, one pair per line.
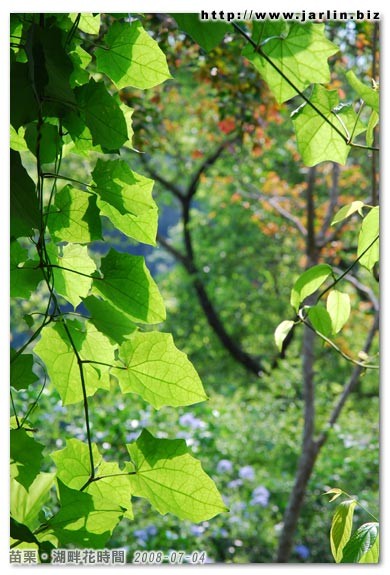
349,387
172,187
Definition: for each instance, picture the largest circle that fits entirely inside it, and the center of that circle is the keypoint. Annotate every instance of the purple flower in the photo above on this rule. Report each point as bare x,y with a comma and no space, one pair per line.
224,466
235,483
302,551
247,472
260,496
192,421
197,530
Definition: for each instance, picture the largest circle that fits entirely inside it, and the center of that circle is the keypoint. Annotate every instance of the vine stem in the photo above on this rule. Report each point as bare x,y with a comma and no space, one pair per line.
260,51
360,504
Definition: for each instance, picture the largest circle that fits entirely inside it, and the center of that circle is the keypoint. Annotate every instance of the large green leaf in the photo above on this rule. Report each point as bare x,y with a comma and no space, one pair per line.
372,123
341,528
131,57
88,23
125,198
74,217
116,324
56,351
83,521
127,284
71,278
110,482
317,140
207,34
369,95
308,283
24,275
26,504
363,547
172,480
26,457
158,371
73,463
369,236
302,56
320,319
103,116
80,60
24,201
338,305
22,375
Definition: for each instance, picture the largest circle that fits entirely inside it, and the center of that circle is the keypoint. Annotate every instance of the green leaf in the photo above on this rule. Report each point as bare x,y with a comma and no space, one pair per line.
131,57
347,211
73,463
127,284
116,324
88,23
26,504
50,141
317,140
16,140
26,457
172,480
22,375
24,279
23,202
369,236
302,56
80,60
372,123
364,540
56,351
125,198
103,115
263,30
72,281
281,332
320,319
308,283
338,305
207,34
158,371
110,482
20,532
23,104
74,217
83,521
341,528
367,94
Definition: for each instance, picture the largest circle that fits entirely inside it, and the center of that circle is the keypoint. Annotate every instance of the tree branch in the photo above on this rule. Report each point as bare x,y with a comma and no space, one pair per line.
171,186
333,197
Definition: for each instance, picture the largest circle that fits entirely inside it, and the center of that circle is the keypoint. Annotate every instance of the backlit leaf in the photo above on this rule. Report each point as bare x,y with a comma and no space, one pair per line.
74,217
317,140
131,57
308,283
158,371
281,333
347,211
366,93
302,56
338,305
50,141
127,284
88,23
125,198
369,239
25,504
73,463
24,273
372,123
22,375
172,480
341,528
